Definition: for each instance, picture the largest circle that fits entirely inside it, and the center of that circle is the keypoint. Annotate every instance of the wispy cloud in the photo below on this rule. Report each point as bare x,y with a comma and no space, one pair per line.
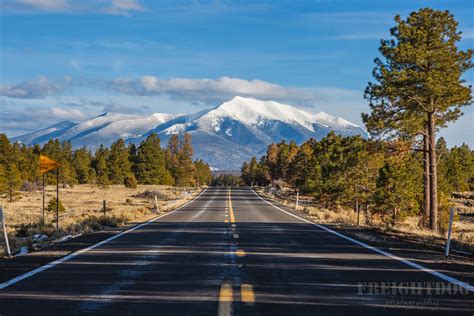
115,7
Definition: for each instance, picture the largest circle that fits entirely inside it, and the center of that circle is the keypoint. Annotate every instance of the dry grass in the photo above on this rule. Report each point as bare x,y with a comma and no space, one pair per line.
463,226
84,209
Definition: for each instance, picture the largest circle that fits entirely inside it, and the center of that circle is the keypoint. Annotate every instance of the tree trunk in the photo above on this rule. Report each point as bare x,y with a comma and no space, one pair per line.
426,181
433,173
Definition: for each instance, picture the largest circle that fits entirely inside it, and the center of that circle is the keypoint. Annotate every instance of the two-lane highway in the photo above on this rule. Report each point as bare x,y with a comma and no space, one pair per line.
229,252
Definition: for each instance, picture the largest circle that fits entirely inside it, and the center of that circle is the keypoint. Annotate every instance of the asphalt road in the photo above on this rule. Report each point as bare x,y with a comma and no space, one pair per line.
230,252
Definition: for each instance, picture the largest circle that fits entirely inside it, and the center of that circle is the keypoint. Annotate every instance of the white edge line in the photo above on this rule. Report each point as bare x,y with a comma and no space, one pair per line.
387,254
84,250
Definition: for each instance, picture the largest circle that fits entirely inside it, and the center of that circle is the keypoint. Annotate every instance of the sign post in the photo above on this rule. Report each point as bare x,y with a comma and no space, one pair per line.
5,235
48,164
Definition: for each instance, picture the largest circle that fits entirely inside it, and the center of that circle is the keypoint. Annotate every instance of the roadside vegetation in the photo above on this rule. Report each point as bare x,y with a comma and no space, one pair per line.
82,211
127,177
401,173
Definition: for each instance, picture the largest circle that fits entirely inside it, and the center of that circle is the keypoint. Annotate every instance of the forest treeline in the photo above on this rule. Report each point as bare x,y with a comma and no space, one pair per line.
384,178
146,163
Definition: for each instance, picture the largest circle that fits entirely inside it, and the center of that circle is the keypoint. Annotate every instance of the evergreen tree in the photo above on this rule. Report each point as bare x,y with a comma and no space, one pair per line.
81,163
185,172
203,173
5,150
13,181
171,156
418,86
118,164
100,165
150,166
3,180
51,207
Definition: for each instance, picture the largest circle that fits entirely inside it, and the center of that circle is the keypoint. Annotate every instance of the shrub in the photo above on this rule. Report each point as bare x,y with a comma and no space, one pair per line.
130,181
28,186
52,206
26,230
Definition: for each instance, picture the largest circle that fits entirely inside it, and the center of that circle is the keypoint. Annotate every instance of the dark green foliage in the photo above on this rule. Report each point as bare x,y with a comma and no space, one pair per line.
149,162
119,164
382,177
13,181
419,87
51,207
179,159
81,163
203,173
227,180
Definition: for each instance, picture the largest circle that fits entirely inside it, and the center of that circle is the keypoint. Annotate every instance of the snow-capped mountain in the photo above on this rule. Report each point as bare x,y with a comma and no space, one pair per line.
224,136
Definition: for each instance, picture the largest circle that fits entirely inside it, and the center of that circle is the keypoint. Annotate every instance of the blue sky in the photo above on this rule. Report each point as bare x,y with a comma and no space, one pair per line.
65,59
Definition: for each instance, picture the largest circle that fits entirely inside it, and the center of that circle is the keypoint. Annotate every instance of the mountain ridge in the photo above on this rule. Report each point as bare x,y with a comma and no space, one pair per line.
224,136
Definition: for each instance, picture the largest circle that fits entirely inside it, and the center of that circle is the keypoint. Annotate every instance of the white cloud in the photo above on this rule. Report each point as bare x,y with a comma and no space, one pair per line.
64,113
210,90
35,89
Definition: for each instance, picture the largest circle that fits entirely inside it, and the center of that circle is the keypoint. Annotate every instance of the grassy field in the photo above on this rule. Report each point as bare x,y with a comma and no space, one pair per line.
84,210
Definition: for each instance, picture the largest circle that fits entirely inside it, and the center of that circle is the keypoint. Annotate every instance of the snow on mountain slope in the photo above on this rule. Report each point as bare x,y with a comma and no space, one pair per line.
255,112
333,121
118,127
46,133
224,136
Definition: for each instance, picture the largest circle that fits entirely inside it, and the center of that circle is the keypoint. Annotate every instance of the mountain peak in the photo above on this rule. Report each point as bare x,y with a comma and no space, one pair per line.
252,111
224,136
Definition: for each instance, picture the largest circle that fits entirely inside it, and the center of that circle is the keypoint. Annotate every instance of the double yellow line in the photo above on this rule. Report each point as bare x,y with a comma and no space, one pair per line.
231,210
226,294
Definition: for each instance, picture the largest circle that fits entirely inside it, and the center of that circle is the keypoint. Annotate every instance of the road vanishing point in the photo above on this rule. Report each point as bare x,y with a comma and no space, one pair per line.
230,252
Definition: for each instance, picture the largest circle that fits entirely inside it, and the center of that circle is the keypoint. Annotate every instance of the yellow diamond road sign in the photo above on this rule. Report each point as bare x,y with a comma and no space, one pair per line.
47,164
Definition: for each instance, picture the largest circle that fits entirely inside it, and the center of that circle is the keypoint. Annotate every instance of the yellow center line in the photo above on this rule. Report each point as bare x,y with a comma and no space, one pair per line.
225,300
246,291
231,210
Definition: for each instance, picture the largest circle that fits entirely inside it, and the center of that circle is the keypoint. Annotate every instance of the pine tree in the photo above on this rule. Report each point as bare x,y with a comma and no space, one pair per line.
3,180
51,207
100,165
150,166
171,156
81,163
185,172
203,173
5,150
419,85
118,164
13,181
